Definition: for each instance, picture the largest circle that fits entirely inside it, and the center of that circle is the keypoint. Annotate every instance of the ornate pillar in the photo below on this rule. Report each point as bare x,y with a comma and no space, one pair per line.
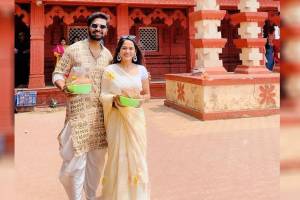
37,29
251,41
208,43
190,51
122,20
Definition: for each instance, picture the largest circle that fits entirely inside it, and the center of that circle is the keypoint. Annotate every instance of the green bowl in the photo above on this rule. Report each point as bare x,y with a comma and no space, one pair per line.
129,102
80,88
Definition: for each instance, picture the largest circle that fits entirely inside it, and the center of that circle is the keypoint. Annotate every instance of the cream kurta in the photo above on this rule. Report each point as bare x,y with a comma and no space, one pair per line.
126,171
84,113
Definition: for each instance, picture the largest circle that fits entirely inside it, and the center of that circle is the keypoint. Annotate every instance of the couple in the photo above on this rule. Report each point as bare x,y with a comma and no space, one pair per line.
98,120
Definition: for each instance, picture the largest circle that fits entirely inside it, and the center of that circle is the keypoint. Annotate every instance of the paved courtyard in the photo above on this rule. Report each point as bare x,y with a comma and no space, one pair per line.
234,159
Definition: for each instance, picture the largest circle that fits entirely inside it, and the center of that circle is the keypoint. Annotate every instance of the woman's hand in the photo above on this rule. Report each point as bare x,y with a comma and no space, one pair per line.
132,93
116,101
56,54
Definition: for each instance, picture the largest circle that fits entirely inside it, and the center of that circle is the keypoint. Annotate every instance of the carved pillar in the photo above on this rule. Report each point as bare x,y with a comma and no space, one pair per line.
251,42
208,42
190,50
122,20
37,29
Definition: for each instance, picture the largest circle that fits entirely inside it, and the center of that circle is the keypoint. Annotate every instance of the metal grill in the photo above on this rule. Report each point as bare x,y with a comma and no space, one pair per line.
77,31
149,38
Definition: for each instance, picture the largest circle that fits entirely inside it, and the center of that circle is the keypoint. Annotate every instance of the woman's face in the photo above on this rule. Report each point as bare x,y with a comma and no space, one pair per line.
271,37
63,42
127,50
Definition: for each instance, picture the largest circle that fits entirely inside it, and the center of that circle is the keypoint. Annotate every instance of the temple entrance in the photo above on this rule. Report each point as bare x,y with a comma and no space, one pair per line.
163,40
22,46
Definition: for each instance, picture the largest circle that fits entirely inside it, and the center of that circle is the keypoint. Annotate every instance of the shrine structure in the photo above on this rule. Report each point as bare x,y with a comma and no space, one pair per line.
165,30
211,92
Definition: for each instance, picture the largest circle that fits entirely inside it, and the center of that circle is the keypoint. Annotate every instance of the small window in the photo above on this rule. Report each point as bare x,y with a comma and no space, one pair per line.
148,38
81,32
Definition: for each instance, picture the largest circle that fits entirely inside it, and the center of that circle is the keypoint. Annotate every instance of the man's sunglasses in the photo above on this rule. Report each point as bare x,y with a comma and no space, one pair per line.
98,25
129,37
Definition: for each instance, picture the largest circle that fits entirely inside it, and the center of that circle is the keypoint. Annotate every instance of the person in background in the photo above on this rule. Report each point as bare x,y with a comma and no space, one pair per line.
76,39
59,49
271,51
22,50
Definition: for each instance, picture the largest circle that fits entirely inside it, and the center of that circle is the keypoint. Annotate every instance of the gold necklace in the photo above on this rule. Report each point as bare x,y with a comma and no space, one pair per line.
93,55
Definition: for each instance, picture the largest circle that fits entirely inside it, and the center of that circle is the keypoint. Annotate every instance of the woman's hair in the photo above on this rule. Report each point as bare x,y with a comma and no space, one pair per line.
139,55
268,28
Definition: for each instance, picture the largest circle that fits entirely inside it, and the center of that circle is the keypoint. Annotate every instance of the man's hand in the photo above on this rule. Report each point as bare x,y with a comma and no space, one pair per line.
132,93
61,85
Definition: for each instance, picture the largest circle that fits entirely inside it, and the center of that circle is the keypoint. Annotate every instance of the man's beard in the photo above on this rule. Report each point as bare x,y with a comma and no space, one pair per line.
94,37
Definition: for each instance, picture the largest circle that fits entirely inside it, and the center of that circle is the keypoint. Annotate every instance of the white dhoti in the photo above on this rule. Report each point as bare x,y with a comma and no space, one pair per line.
82,172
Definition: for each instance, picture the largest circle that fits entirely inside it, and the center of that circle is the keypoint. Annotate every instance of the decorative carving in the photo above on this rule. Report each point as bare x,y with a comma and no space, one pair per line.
178,15
112,18
80,11
69,18
180,92
55,11
138,14
19,12
267,94
158,13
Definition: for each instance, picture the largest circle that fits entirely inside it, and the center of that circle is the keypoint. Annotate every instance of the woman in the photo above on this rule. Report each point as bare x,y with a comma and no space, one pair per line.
271,53
126,172
60,49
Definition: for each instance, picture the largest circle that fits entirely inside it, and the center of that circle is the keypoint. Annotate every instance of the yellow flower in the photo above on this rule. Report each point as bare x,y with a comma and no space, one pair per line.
110,75
135,180
74,77
103,180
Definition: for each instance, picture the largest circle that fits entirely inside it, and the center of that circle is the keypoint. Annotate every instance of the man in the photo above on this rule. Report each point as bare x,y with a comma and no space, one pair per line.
83,138
22,47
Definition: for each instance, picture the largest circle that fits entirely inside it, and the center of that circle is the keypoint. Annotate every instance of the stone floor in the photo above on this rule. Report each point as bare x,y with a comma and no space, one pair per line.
234,159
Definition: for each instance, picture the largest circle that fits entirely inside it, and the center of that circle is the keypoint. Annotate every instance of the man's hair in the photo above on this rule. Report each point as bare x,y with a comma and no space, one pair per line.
96,15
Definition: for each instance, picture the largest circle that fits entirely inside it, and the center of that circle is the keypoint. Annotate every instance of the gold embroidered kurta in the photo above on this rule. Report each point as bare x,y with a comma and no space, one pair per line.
84,113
